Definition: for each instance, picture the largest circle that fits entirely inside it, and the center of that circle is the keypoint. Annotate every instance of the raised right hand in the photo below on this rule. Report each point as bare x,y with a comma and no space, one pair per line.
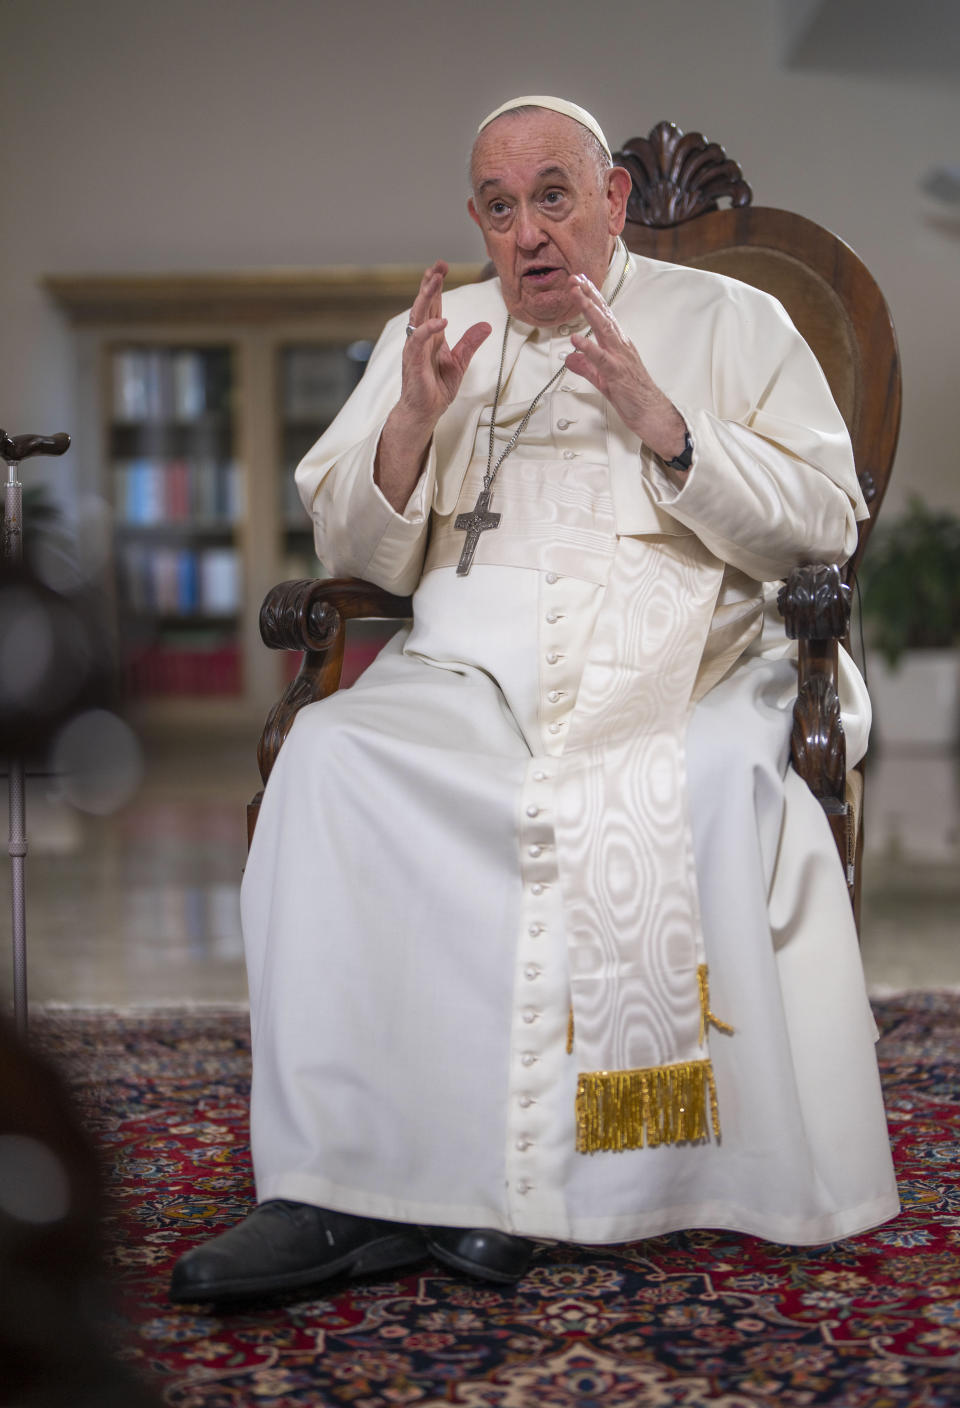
432,371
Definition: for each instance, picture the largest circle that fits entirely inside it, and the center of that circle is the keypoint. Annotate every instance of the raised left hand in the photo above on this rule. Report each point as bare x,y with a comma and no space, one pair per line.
611,363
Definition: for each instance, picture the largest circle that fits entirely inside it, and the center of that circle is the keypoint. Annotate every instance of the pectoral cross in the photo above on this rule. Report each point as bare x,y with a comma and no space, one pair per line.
473,524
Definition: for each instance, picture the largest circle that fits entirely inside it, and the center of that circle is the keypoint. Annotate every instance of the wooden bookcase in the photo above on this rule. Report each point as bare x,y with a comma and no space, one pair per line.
197,396
178,508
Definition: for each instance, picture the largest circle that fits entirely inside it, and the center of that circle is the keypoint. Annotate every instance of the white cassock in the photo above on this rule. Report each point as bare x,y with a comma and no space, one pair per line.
407,922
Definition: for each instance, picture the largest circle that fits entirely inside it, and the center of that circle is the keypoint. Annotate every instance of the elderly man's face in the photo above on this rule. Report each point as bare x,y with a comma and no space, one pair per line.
545,211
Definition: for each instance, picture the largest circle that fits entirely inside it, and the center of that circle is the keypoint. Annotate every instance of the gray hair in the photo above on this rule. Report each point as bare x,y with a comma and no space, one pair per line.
595,150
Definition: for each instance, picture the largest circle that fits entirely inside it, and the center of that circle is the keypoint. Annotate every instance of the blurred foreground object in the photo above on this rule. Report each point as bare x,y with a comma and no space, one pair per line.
56,683
54,1294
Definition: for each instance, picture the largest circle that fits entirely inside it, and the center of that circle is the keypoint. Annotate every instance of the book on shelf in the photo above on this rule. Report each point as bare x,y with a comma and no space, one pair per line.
316,380
189,386
176,497
160,580
219,581
178,668
149,492
165,568
212,495
188,582
142,384
179,384
130,401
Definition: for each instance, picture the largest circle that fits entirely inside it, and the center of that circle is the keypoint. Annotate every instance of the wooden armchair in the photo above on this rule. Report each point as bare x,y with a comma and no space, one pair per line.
678,179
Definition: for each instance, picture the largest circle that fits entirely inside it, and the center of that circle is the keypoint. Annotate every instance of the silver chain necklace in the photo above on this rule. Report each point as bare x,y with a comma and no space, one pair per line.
479,518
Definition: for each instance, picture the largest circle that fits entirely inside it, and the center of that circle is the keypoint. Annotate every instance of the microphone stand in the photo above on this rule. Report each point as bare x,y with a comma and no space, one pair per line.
13,449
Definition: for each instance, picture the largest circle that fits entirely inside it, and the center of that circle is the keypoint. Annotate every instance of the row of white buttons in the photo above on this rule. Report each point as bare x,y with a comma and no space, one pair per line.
538,876
554,721
547,1017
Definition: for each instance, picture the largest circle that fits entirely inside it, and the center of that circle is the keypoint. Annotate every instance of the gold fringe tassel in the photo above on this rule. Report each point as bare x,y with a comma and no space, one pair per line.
707,1019
570,1031
658,1105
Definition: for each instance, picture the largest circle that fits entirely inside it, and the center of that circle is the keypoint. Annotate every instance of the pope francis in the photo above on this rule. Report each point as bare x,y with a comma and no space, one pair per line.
544,937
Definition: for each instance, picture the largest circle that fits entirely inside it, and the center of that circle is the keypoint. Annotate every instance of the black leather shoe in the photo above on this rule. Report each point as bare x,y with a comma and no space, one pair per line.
284,1246
481,1251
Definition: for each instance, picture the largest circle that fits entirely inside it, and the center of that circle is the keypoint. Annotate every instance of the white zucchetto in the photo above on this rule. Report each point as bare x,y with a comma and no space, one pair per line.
560,105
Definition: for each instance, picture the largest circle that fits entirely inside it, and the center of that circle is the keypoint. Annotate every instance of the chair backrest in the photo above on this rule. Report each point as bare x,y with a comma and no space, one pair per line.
827,290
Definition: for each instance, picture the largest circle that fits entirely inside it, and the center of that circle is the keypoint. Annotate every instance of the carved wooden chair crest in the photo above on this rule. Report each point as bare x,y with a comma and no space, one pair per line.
673,213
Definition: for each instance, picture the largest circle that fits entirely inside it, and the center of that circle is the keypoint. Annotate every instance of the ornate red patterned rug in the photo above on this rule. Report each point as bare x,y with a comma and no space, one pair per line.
693,1318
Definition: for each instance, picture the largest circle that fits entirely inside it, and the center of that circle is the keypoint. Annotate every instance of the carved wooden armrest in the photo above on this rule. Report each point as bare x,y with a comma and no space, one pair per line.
815,604
310,616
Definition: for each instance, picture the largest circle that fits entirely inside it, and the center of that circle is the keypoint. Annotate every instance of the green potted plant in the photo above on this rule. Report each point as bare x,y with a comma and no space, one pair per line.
911,605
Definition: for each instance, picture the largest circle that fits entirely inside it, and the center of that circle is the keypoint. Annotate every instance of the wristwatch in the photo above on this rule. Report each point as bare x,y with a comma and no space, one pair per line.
684,460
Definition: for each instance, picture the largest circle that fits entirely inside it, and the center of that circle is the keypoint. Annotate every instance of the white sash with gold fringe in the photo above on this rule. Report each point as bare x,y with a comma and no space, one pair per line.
639,996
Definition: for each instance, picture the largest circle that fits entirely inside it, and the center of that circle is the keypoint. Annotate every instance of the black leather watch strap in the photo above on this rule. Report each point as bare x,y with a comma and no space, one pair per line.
685,458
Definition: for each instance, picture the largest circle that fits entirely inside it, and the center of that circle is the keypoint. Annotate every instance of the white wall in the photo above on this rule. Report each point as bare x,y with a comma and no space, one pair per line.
221,134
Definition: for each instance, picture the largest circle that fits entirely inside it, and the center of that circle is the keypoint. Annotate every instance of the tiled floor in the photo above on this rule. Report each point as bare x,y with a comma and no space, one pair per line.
143,907
910,927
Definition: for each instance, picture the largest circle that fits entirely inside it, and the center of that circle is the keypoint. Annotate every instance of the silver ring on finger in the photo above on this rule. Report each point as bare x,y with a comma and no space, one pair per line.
410,329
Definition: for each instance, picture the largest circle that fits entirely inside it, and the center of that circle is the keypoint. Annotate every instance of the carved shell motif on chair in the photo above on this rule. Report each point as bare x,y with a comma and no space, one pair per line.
677,175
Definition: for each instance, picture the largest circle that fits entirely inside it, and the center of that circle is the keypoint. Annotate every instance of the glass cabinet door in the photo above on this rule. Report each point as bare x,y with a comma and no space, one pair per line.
178,497
315,380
